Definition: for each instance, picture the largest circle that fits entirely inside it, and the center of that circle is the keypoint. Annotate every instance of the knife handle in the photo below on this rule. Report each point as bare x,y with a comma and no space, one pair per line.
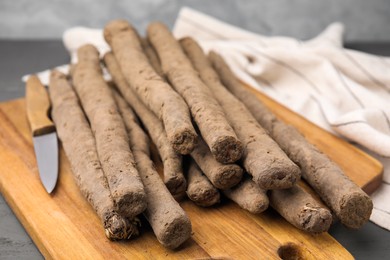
38,107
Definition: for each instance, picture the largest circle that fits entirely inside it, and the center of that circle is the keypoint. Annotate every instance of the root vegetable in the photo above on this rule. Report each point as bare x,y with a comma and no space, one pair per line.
200,190
222,176
152,57
169,222
172,161
206,111
262,157
249,196
111,137
350,204
150,87
300,209
73,129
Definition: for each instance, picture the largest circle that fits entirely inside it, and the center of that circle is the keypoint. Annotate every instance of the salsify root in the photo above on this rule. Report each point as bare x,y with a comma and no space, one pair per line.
153,90
248,195
200,190
169,222
152,57
73,129
172,161
207,113
300,209
222,176
110,133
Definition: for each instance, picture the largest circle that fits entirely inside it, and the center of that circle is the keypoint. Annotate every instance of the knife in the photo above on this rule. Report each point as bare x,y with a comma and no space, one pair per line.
43,132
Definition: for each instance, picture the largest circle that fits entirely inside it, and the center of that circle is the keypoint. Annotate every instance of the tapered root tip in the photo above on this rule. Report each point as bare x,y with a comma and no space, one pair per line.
184,142
355,209
227,149
119,228
315,219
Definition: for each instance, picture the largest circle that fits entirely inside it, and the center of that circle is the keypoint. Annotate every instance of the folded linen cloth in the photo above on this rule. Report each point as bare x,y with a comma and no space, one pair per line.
343,91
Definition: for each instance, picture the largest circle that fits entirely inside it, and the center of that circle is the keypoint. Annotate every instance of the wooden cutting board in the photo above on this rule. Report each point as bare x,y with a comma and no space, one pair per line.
64,226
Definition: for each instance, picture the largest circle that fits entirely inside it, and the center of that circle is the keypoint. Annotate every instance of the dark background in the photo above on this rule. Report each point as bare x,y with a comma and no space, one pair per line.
40,19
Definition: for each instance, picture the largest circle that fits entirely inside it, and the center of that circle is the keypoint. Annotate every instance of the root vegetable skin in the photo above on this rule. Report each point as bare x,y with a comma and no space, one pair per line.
169,222
172,161
206,111
152,57
301,210
262,157
222,176
73,129
110,133
350,204
151,88
249,196
200,190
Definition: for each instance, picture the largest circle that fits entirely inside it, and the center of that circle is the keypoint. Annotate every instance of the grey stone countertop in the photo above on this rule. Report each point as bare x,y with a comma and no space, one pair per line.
21,57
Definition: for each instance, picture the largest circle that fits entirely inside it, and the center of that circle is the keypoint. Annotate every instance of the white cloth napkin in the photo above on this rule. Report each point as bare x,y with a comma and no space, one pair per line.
343,91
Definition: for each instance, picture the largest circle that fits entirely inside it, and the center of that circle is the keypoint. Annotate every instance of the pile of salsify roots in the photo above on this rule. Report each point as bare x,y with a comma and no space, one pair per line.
192,107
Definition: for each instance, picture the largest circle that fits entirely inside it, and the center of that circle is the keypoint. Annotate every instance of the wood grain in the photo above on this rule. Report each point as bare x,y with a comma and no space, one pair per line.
38,106
64,226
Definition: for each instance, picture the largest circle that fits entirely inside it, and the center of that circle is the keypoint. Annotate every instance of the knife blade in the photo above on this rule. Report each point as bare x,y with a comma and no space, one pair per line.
43,132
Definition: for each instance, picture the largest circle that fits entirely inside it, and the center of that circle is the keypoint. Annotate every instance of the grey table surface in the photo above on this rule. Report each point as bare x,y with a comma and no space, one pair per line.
21,57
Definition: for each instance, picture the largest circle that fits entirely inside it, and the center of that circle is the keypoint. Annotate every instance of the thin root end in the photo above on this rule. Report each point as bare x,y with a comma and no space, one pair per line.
119,228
